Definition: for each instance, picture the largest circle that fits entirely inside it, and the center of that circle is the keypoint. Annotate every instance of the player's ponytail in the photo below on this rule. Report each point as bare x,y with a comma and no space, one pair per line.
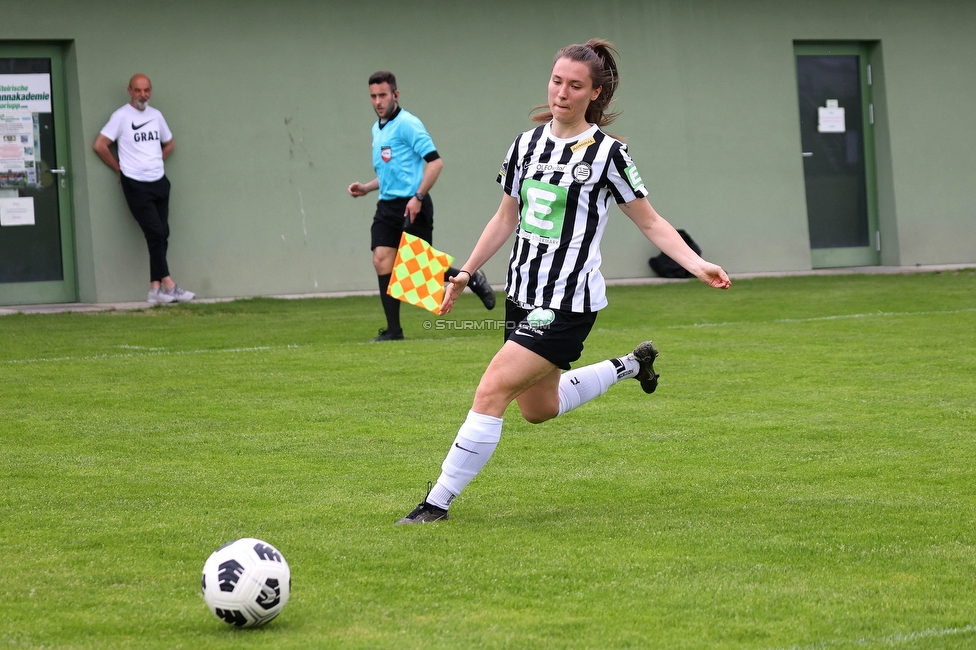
600,56
604,73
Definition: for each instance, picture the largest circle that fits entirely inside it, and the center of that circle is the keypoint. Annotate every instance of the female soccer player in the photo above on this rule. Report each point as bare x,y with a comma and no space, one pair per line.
558,180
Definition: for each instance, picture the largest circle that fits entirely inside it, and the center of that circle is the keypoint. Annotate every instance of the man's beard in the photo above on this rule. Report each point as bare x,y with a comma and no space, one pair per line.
142,103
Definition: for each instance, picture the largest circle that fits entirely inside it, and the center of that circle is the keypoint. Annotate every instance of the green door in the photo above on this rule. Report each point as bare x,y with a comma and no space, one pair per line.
837,138
37,262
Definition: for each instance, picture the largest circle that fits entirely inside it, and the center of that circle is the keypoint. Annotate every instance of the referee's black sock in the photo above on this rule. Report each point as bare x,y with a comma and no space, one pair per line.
391,306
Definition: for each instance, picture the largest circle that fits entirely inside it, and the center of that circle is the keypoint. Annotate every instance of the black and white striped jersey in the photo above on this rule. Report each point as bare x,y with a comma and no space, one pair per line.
564,189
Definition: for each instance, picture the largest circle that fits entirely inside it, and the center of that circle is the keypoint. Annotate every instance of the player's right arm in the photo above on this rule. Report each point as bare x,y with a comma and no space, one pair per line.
101,147
362,189
496,233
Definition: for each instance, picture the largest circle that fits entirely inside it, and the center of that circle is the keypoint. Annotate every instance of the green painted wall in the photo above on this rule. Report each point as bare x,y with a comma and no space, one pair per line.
269,107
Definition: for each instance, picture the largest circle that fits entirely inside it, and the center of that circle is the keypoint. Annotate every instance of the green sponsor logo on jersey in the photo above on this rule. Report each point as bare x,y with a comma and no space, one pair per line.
633,177
540,318
543,210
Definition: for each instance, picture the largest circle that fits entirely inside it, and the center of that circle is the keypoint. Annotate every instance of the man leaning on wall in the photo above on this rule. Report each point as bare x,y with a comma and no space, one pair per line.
144,141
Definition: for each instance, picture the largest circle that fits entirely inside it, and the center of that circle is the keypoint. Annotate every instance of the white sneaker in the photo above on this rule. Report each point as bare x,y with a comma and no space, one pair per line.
176,294
157,295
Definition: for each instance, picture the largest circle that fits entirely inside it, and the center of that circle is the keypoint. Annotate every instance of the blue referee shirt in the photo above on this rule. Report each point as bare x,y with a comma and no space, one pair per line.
399,149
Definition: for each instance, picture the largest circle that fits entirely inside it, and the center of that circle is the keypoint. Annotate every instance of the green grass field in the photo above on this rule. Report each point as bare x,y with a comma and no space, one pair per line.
804,477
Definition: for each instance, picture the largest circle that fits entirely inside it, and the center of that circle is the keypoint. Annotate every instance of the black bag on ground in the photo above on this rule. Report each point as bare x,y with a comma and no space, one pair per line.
666,267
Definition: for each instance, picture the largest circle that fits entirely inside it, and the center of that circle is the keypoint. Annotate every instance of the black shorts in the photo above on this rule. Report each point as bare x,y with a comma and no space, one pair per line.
388,222
555,335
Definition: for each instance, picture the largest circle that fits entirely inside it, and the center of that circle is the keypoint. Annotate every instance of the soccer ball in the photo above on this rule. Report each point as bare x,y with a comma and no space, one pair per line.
246,583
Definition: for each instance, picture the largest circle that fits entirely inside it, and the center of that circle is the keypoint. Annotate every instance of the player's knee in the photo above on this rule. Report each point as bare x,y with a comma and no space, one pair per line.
383,260
537,418
491,397
537,414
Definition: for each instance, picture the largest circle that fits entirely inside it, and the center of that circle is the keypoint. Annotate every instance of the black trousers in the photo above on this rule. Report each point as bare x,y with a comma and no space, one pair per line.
149,204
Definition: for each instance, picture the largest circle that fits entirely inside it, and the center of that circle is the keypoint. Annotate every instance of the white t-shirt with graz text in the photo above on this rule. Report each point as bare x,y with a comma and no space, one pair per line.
140,136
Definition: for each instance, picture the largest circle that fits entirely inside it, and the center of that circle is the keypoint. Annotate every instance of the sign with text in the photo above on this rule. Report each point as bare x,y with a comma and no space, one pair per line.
830,118
17,212
19,154
25,92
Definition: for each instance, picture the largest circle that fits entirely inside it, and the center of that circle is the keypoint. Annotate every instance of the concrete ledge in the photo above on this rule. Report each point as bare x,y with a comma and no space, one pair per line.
860,270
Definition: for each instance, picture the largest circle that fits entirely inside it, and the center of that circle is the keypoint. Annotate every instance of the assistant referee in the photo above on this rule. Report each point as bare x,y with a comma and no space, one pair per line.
407,166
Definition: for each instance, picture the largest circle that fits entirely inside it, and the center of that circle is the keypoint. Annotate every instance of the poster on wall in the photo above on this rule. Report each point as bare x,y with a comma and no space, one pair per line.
22,98
19,153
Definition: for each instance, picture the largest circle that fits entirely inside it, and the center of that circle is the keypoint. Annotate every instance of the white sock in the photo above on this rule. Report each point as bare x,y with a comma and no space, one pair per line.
475,443
626,367
579,386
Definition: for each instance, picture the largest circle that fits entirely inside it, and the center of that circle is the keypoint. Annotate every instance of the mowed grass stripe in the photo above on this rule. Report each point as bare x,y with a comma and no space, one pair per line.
158,351
789,485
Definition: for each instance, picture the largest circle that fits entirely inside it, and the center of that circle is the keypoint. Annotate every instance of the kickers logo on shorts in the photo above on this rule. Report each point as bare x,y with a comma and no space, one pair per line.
540,319
535,324
386,153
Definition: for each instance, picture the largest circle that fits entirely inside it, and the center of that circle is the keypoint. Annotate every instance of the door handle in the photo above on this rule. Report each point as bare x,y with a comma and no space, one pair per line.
63,173
808,154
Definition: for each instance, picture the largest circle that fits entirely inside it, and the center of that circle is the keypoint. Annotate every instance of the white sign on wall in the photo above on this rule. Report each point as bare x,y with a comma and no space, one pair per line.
25,92
830,118
17,212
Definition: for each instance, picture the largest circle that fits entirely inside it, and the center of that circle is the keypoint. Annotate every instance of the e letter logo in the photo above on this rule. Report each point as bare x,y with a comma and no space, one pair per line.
543,210
633,177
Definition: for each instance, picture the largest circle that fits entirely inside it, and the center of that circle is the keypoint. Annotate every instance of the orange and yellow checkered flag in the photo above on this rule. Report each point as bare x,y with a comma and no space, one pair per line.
418,273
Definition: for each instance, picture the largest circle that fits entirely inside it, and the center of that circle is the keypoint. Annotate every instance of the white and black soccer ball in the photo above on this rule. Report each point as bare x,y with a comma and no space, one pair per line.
246,583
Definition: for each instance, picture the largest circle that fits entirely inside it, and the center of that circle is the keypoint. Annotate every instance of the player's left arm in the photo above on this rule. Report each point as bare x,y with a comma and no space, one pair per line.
431,171
663,235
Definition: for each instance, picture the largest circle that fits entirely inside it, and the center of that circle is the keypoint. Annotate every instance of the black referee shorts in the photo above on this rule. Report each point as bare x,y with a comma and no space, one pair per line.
556,336
388,222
